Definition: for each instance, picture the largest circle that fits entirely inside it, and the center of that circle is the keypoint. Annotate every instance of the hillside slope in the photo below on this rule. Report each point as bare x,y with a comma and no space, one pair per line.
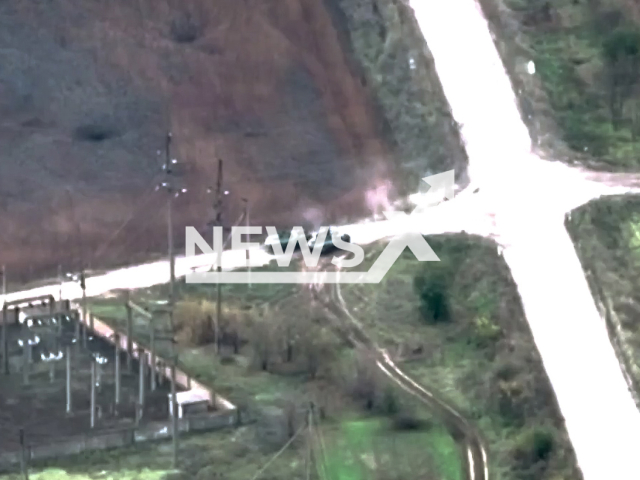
88,91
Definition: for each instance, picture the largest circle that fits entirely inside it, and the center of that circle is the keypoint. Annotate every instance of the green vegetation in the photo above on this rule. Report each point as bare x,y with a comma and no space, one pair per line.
388,45
460,330
587,58
468,342
360,449
231,453
281,357
607,237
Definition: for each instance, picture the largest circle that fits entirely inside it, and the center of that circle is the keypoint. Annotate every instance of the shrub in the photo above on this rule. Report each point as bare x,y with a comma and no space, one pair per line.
193,322
263,344
533,446
486,333
365,385
432,286
407,421
389,403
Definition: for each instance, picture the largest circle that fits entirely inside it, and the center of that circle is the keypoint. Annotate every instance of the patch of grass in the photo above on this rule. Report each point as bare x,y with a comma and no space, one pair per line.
363,449
606,233
481,357
388,45
230,453
584,91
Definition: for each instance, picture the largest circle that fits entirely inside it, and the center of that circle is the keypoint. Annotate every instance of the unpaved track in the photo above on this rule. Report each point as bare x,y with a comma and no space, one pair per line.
471,444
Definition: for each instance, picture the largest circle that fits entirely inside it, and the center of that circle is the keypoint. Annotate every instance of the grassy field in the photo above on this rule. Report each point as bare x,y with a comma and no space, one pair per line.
464,323
584,92
457,327
356,449
357,442
386,44
607,237
230,452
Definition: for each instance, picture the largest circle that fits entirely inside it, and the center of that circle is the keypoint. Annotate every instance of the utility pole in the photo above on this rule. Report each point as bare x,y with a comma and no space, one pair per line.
168,184
117,369
24,467
129,331
83,286
60,280
141,377
4,284
217,208
68,362
309,440
174,395
93,392
5,339
152,371
246,217
82,268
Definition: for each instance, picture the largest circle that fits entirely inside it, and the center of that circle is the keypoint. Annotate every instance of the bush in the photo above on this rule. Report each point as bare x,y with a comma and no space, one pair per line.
263,344
365,385
194,322
407,421
432,286
389,403
486,333
533,446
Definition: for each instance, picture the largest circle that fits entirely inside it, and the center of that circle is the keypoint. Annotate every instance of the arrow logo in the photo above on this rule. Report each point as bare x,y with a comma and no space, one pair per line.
442,186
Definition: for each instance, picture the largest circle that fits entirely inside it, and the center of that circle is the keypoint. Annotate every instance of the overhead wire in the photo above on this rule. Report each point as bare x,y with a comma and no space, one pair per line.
278,453
321,460
130,241
136,212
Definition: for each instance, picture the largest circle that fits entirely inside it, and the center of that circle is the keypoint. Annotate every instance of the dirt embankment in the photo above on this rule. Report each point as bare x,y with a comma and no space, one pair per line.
88,90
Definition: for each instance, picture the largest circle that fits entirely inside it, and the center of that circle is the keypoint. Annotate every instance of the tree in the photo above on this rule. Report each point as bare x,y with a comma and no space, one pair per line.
262,343
621,52
433,285
318,347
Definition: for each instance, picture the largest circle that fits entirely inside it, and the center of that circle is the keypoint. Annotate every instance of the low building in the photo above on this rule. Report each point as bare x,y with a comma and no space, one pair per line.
191,402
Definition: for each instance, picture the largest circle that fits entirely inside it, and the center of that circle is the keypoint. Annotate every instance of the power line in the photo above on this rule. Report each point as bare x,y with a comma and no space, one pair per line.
279,452
143,203
151,219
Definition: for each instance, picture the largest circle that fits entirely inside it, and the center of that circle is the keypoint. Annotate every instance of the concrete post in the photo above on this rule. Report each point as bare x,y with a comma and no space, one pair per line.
25,361
161,373
141,361
153,358
129,332
5,341
117,368
174,416
76,317
93,393
68,361
84,311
